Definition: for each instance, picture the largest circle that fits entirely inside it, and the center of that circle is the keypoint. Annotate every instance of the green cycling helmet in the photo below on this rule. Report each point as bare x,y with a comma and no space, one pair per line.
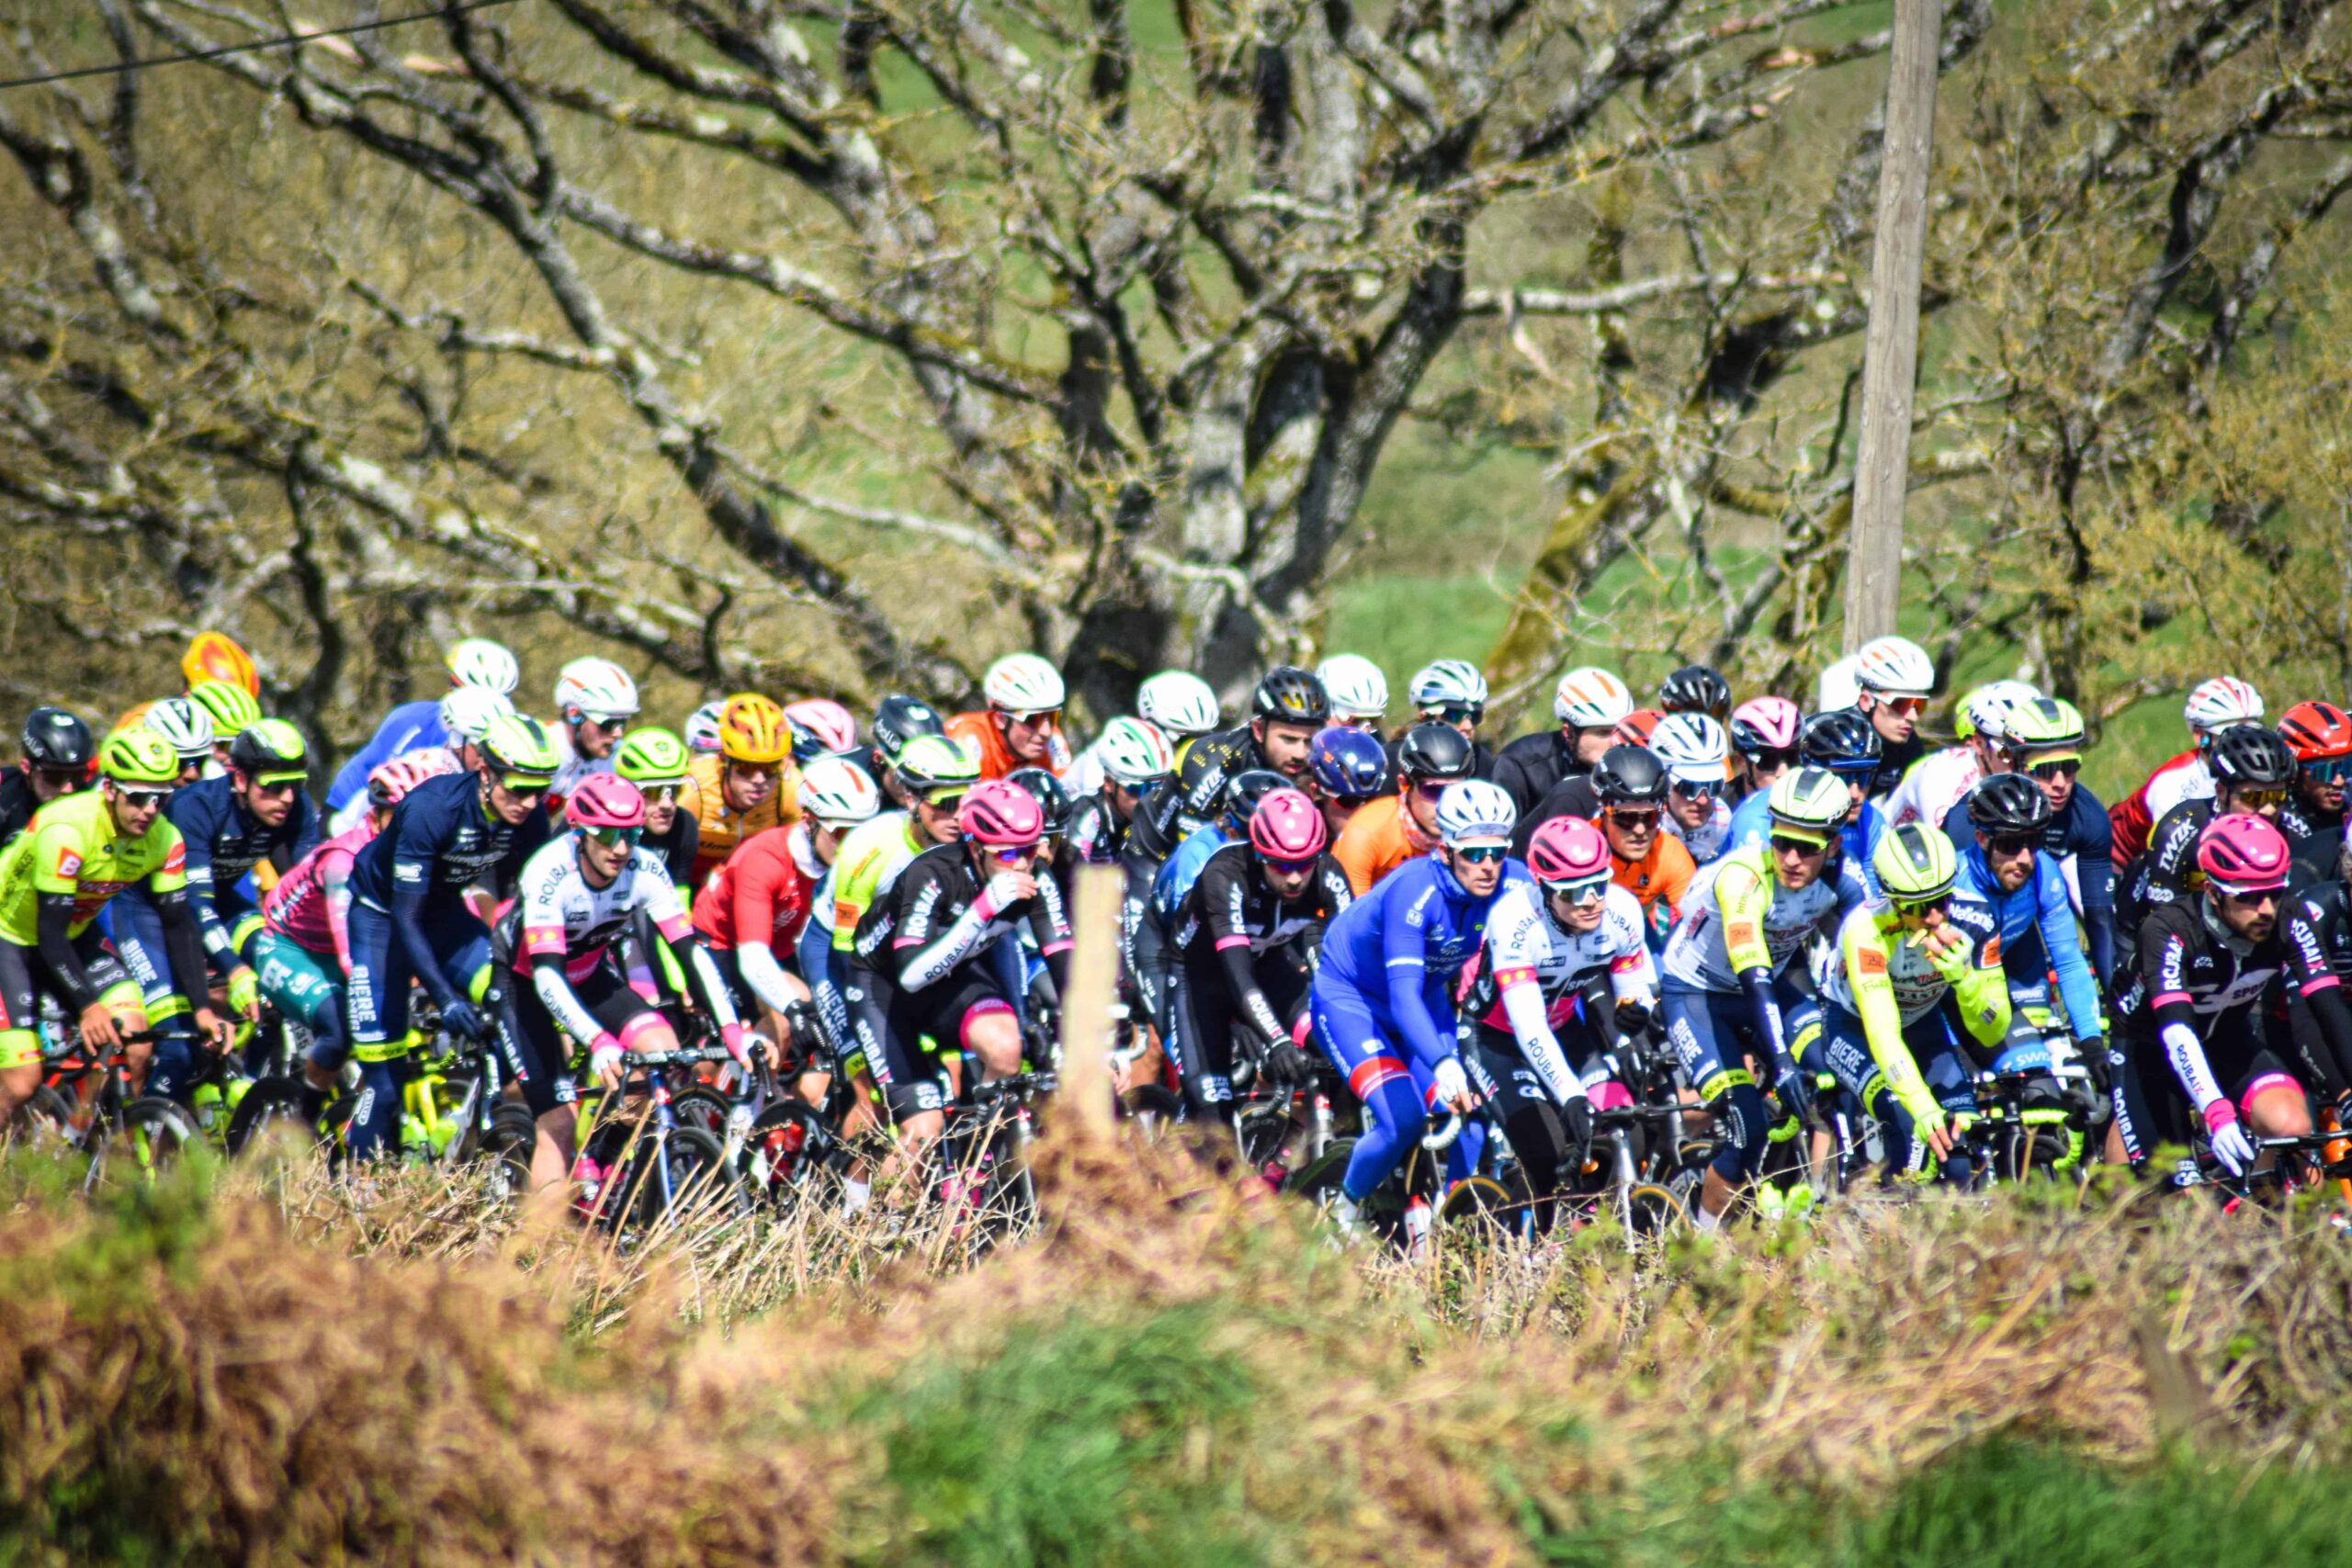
934,764
1916,863
1810,800
138,756
652,756
2046,725
271,751
232,707
517,747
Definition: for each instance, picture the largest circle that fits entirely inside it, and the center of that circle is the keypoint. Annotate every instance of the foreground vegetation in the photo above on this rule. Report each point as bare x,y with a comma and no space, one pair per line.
238,1365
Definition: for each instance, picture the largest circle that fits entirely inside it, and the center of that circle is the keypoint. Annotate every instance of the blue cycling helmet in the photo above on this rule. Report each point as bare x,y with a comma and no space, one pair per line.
1348,763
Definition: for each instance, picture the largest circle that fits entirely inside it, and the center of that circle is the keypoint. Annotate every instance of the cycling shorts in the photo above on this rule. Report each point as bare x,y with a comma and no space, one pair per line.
1713,1033
538,1055
1203,1014
24,977
1830,1037
890,1024
2151,1106
305,988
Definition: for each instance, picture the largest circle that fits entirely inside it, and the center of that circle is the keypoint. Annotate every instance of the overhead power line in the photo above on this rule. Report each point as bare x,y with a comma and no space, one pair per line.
288,40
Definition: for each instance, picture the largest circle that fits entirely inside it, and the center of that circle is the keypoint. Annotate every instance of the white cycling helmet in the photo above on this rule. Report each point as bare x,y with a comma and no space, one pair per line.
1894,666
597,688
1022,683
185,724
835,790
466,711
1134,752
1446,683
1838,686
1355,685
477,661
1474,810
1985,711
2223,700
702,728
1589,697
1180,702
1694,746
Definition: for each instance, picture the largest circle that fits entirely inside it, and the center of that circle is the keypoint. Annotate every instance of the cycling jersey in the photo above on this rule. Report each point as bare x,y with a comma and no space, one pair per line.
2034,932
1527,951
2077,841
1659,881
1095,837
984,732
719,826
1710,838
225,842
1737,916
2315,927
442,839
1939,782
1239,956
865,866
17,804
1529,767
757,903
309,903
677,847
1895,759
2136,814
576,766
409,728
1376,841
2168,873
74,849
2197,1015
1751,824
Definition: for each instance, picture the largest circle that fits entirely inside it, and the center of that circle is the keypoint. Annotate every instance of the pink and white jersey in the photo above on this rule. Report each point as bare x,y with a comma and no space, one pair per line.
1522,944
1936,783
306,906
562,917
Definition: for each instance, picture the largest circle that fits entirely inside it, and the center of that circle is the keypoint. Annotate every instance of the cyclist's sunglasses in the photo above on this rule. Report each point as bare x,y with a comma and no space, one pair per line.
71,776
2248,898
1791,844
141,799
522,786
1482,854
1909,707
275,788
2012,844
1852,767
2259,799
1923,907
944,800
1430,789
661,794
2057,768
1633,817
613,838
1034,718
1456,712
1014,855
2328,769
1292,868
1583,890
1695,789
768,771
614,723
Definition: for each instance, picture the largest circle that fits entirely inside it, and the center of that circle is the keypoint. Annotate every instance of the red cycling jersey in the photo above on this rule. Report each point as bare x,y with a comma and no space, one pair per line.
761,894
2130,818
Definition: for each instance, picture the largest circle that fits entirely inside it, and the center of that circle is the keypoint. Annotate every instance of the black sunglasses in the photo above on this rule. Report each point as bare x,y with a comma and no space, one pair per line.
1483,854
1456,712
2011,844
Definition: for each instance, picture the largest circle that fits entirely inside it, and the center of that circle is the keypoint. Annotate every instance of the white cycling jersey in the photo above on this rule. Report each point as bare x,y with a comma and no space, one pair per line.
563,917
1710,838
1941,781
1523,942
1698,953
2167,787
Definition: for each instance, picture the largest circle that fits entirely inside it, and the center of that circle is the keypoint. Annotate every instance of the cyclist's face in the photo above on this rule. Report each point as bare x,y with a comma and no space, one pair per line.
513,805
1286,885
749,783
603,862
1630,830
1338,811
1761,774
2263,803
1421,801
2250,916
1477,877
49,784
2321,794
1589,744
825,838
939,821
269,805
1029,735
1579,916
1691,811
1920,917
2010,858
1797,862
1286,746
135,819
659,814
1895,718
596,737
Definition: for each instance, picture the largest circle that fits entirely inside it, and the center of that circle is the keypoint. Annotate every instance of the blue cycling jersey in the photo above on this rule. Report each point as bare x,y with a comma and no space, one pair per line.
1751,823
408,727
225,841
1182,869
2081,841
2034,927
1401,946
443,839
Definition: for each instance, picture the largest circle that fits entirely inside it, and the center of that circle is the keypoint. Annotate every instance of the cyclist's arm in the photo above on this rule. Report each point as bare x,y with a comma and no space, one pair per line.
2163,962
2076,986
1515,940
1223,892
1980,989
926,955
2316,1012
1405,957
1049,926
2095,875
53,928
1743,898
199,820
183,942
1862,947
815,951
334,888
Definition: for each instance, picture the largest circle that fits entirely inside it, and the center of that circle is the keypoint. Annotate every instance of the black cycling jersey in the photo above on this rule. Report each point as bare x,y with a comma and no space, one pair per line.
1528,767
2317,927
1230,914
1572,797
2197,1021
2166,873
17,803
927,925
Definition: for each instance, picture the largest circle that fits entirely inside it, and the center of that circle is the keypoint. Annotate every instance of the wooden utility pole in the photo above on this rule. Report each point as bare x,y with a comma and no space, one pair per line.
1891,349
1085,1098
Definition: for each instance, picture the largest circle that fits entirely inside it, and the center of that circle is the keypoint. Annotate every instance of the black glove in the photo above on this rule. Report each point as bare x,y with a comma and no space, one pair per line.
1794,1089
1286,1064
1576,1120
460,1019
2095,1061
1632,1020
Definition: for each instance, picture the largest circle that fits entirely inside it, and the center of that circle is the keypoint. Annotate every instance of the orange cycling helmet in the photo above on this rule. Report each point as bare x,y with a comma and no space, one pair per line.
213,656
751,728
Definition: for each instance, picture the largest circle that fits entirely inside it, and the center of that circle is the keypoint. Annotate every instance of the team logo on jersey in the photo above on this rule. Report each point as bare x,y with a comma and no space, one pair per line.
1873,962
176,860
69,862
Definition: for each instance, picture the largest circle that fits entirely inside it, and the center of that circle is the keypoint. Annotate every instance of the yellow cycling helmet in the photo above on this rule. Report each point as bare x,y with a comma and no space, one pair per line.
232,707
751,728
138,756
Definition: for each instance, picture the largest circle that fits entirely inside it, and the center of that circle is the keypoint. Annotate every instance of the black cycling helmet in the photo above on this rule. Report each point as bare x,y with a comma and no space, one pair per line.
1628,775
2010,802
1247,788
899,720
1434,751
1695,688
1842,740
1291,695
1049,794
55,738
269,751
2250,756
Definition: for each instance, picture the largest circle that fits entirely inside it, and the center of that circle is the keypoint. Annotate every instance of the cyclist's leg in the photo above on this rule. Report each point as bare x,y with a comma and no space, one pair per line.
537,1062
376,1008
1700,1025
1349,1034
1945,1064
20,1051
166,1067
1515,1096
887,1030
1200,1043
307,988
2262,1083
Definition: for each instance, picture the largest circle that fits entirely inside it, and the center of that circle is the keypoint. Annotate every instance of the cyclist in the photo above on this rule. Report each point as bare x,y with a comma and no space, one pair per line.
1695,688
1764,733
1239,951
896,721
937,956
2212,706
1588,703
1347,771
701,730
410,920
1542,1021
1729,982
1402,826
594,700
2196,1020
1696,750
1930,791
1843,742
57,755
1285,710
465,712
656,761
1452,691
2011,895
215,655
2044,741
574,898
2316,919
1020,725
1383,996
821,727
2320,735
232,709
1358,690
188,726
1055,807
1136,759
1625,797
259,811
749,786
2252,770
80,851
1182,705
475,661
302,956
1897,678
1153,959
1901,974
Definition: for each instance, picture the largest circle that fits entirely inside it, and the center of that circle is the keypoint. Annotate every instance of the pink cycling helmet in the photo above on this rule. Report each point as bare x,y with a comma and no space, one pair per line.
2243,853
1001,815
1568,848
1286,826
825,721
1765,724
389,781
605,800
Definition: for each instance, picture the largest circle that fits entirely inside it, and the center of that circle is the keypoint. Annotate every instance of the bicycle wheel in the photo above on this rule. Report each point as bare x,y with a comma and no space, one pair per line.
1652,1210
1481,1209
784,1156
701,1106
271,1105
680,1172
507,1145
43,1125
154,1133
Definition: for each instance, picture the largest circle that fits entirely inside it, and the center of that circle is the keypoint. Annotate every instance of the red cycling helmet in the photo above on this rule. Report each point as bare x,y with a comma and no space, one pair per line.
2314,731
2243,853
1286,826
605,800
1634,729
1001,815
1568,848
1766,723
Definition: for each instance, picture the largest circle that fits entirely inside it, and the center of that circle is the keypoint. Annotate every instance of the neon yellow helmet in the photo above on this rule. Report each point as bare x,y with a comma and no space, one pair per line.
138,756
650,756
2046,726
1916,863
1811,801
516,745
934,764
232,707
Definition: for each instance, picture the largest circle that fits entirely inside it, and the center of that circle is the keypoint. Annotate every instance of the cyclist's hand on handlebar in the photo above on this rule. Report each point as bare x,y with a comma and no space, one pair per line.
214,1029
1453,1089
604,1061
1576,1120
244,993
460,1019
100,1031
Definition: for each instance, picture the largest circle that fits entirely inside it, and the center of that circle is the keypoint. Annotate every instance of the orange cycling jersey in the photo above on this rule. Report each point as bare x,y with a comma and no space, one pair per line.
982,732
1657,881
724,826
1376,841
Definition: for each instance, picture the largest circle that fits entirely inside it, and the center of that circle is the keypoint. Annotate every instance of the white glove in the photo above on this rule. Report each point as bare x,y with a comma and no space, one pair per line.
2231,1146
1453,1083
1003,891
605,1058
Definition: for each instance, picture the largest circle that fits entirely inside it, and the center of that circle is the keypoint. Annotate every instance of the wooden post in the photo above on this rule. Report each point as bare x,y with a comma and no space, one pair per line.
1085,1098
1891,348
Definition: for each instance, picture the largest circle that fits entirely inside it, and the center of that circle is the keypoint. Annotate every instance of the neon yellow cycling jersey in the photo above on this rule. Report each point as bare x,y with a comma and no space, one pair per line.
73,846
868,861
1891,980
